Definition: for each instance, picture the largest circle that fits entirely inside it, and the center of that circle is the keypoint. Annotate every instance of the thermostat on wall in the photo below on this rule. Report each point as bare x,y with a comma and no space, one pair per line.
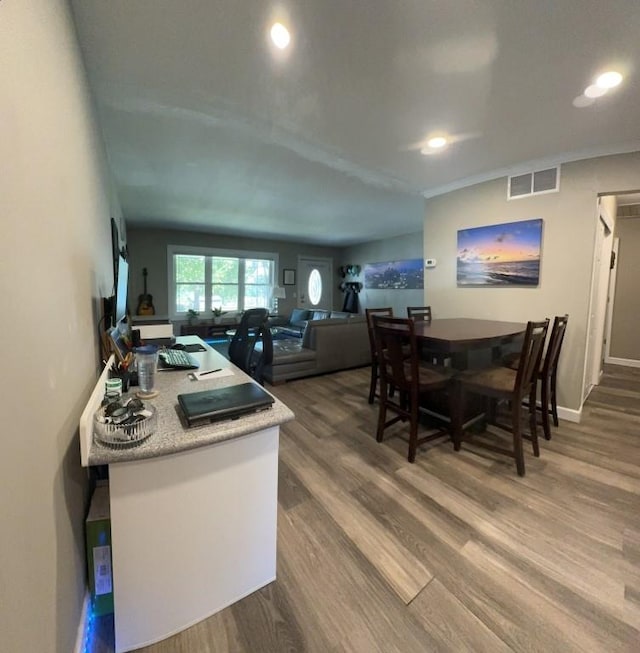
429,263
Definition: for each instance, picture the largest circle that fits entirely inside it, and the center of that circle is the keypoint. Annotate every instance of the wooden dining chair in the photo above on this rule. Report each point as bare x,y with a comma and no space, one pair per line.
547,374
370,312
510,385
419,313
401,368
423,314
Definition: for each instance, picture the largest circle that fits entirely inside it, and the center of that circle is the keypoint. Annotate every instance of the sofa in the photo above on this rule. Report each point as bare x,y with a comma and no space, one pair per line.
298,319
325,345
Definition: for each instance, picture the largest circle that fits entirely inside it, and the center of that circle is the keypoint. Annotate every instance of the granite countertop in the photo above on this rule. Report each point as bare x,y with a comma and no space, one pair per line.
172,435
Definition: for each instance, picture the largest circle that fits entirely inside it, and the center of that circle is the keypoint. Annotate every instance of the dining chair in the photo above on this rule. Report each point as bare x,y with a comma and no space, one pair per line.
370,312
509,385
419,312
547,374
414,380
242,345
423,314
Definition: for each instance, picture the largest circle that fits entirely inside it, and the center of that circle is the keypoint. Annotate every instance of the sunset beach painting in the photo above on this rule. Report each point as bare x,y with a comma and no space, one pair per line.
500,255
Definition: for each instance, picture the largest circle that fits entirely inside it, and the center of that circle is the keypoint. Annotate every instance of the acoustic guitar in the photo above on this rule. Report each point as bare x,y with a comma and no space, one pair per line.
145,301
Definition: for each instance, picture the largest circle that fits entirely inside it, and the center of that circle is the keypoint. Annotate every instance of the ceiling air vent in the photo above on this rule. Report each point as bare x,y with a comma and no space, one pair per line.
534,183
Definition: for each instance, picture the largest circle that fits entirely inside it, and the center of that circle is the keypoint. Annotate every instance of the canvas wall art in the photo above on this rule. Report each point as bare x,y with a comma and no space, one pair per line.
500,255
398,275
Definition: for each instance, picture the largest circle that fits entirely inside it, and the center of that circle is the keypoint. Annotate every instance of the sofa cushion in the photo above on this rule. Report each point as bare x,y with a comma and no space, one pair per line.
291,350
298,315
312,324
343,314
319,315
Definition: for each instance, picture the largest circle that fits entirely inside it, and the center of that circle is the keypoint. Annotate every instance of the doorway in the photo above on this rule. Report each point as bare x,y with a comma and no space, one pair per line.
594,361
315,283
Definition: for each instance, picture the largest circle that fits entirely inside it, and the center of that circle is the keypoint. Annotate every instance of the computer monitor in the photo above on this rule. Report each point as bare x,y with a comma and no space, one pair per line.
122,283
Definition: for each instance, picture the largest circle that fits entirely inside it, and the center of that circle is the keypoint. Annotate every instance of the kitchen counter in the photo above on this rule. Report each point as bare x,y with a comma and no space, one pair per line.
193,510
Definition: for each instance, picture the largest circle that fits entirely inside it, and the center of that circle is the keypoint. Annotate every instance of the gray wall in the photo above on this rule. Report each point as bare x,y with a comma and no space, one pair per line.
148,248
567,254
625,342
401,248
55,262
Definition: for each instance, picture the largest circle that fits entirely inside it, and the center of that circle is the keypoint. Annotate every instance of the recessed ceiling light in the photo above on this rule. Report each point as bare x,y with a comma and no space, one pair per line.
609,79
280,36
595,91
437,142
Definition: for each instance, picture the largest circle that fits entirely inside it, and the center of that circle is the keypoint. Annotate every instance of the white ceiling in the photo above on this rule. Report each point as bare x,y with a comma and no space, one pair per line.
208,129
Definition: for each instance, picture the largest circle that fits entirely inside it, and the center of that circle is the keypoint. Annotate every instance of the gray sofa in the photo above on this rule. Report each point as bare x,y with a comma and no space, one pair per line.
298,319
326,345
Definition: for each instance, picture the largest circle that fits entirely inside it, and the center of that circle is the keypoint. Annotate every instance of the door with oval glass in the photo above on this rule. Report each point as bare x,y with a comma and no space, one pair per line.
315,283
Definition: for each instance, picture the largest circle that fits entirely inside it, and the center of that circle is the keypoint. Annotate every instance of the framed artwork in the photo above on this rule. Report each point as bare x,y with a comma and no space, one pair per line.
395,275
500,255
288,277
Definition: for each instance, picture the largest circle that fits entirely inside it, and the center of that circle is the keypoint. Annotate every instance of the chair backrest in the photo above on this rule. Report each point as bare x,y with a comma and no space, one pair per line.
264,356
556,337
419,313
370,312
392,335
530,356
244,341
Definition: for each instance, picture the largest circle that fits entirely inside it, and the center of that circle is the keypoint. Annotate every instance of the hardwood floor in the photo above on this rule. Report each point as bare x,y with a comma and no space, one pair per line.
453,553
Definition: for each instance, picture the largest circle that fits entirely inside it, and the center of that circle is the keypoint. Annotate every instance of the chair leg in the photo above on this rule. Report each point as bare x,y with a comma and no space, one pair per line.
517,437
457,397
413,431
374,382
554,403
382,412
545,408
533,421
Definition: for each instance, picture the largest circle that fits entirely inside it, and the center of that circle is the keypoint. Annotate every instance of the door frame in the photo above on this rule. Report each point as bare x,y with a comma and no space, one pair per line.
302,260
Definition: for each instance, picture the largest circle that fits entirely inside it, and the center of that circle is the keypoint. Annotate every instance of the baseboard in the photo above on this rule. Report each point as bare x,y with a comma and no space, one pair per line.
83,626
627,362
570,414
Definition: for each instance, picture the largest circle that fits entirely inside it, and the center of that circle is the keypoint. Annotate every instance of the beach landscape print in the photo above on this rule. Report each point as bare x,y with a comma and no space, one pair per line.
500,255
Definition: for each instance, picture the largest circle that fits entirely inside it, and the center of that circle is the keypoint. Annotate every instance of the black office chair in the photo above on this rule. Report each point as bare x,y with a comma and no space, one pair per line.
262,353
253,325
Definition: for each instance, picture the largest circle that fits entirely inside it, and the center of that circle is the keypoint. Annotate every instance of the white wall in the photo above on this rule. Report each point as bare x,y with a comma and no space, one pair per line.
54,265
567,253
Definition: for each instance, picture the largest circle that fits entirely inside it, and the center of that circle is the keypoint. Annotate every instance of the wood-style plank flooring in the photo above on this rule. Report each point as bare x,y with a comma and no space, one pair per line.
453,553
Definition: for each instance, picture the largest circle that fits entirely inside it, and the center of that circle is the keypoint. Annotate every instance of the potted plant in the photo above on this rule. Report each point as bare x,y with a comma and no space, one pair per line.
217,314
191,316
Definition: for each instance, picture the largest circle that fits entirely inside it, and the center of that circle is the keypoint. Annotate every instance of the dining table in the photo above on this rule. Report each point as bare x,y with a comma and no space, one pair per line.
455,338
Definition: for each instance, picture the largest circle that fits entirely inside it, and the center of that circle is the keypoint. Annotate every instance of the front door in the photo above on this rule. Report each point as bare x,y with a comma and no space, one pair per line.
315,283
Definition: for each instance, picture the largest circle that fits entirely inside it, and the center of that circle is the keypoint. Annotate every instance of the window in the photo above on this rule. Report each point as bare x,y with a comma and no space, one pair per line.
315,287
202,280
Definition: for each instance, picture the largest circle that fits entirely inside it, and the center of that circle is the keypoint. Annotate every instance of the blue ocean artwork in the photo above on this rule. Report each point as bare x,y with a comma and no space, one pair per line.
500,255
395,275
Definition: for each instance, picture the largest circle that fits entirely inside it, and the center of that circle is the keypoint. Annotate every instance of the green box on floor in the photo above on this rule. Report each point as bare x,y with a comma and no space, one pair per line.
98,533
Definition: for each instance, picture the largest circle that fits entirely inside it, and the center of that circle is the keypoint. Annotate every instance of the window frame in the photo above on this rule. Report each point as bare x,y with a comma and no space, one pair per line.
208,252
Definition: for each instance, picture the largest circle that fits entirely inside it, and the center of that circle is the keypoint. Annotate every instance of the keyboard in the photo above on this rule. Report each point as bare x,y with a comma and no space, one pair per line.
177,359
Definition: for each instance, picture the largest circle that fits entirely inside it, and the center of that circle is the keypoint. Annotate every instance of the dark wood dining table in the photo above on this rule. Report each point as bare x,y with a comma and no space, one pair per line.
455,337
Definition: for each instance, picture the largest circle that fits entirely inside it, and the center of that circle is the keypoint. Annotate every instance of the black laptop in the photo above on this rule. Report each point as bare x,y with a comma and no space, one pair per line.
223,403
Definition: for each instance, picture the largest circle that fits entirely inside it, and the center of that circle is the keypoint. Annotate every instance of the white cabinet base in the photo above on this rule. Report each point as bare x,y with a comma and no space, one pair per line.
192,533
